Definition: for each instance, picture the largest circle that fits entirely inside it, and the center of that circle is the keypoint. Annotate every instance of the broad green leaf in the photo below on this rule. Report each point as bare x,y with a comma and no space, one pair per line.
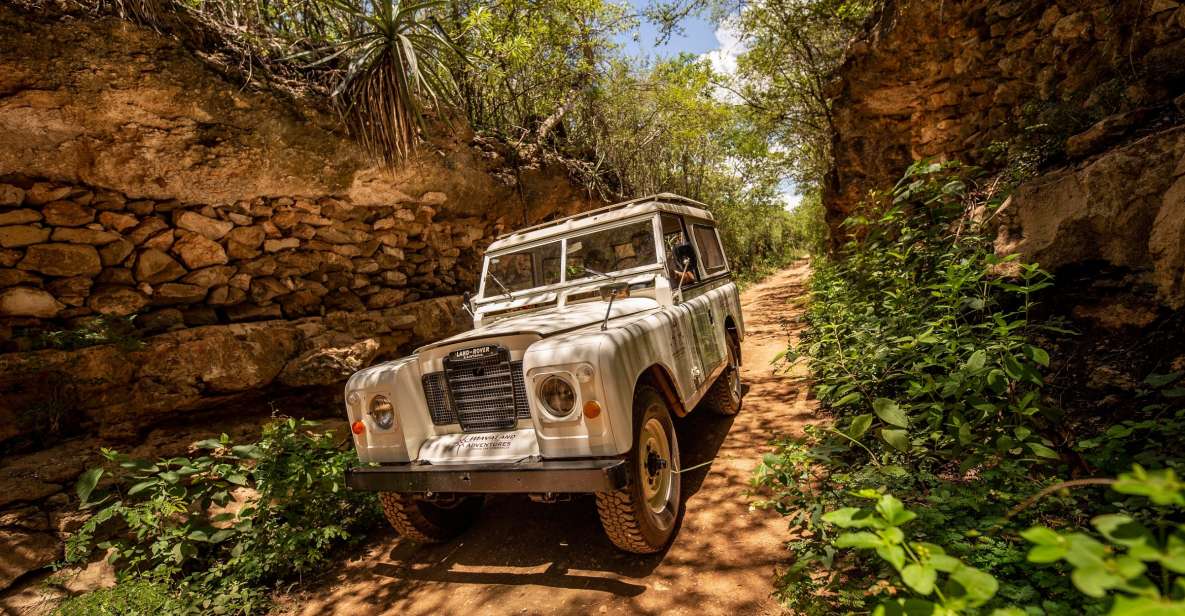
910,607
1160,486
1145,606
977,360
1156,381
861,539
892,554
851,517
1037,354
1123,530
890,413
1041,535
899,439
893,510
973,586
86,484
921,578
1041,451
848,399
1095,580
859,426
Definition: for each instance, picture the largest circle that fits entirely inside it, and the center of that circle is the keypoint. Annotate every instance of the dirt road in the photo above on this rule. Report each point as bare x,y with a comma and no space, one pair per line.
531,558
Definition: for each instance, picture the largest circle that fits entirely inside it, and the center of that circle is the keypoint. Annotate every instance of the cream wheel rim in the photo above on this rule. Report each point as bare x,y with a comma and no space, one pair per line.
655,459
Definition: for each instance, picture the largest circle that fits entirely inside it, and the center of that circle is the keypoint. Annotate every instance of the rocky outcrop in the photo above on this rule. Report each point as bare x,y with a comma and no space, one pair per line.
1022,87
1125,208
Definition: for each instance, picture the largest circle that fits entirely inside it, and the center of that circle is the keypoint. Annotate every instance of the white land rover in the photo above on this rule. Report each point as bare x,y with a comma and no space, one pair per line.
591,334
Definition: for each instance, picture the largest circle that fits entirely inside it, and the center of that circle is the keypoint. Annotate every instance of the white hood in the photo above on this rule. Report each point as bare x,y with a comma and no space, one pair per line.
554,320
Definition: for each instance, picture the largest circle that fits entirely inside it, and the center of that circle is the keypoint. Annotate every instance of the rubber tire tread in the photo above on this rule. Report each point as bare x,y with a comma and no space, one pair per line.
406,516
618,510
719,397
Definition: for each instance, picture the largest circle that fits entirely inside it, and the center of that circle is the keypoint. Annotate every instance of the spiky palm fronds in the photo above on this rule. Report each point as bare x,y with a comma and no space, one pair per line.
397,73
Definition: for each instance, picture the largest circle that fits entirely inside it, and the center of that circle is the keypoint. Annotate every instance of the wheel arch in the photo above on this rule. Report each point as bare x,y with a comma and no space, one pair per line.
733,335
657,376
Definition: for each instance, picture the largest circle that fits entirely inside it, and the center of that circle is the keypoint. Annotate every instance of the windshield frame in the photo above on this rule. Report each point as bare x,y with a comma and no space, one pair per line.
562,238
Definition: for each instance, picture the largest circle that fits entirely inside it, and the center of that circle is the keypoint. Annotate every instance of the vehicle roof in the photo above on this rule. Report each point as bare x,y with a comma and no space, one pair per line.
664,202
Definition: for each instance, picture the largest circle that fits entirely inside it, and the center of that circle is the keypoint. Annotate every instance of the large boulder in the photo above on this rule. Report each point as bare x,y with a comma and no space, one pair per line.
26,302
331,365
62,260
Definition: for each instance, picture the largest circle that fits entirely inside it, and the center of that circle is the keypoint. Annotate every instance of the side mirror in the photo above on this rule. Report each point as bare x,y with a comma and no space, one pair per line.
467,302
685,257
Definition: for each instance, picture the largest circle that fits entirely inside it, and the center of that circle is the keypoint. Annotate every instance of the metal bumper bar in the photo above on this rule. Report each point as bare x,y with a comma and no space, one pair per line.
556,476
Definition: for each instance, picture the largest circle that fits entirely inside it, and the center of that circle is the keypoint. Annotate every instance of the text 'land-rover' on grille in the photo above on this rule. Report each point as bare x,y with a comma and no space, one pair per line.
592,334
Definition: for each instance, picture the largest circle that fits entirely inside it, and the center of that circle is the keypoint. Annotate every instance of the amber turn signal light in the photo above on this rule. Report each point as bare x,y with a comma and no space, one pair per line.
592,409
358,427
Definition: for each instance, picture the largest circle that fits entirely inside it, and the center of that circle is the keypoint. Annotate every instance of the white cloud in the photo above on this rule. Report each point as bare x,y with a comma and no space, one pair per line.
723,59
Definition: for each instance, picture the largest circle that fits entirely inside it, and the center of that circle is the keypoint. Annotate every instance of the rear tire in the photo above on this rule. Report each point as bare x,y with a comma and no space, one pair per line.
426,521
725,395
643,517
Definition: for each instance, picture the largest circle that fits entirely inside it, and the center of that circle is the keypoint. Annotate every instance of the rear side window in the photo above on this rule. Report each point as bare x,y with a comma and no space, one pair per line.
710,252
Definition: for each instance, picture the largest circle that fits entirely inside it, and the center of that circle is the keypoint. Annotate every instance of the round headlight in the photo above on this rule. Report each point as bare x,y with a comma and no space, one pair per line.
382,411
557,395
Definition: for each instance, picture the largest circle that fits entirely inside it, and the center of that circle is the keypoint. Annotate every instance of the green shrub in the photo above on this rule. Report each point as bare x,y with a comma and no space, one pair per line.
922,346
225,526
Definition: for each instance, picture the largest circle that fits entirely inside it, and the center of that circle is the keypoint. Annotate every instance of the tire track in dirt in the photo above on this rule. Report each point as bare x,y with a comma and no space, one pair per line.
532,558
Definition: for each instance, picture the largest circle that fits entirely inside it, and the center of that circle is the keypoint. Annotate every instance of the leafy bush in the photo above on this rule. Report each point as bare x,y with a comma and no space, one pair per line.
915,338
225,526
924,350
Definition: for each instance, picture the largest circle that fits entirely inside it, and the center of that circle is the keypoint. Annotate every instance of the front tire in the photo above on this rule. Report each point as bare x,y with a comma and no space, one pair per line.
642,518
426,521
725,395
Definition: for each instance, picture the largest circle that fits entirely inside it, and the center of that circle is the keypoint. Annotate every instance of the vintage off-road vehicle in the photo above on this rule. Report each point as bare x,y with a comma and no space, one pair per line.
592,333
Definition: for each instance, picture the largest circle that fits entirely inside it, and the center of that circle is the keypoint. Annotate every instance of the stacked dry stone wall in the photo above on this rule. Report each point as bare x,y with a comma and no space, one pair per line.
69,252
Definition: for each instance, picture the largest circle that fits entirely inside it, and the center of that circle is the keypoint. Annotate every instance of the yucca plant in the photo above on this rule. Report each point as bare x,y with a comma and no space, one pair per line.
397,72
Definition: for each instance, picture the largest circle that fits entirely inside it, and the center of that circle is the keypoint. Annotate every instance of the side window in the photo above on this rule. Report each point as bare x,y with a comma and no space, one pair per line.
674,235
709,248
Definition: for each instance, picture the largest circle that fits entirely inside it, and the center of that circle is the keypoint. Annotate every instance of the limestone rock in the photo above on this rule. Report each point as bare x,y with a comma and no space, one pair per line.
13,277
210,276
62,260
84,236
250,237
44,192
117,222
22,235
154,267
282,244
146,229
115,252
209,227
178,293
11,196
385,298
329,366
26,302
25,551
19,217
67,214
198,251
117,301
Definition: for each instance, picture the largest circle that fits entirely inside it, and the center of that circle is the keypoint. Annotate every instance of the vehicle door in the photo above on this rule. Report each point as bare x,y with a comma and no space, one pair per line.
695,348
707,297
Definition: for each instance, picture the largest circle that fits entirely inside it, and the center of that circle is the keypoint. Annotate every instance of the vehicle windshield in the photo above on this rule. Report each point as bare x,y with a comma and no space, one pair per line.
611,250
523,269
605,252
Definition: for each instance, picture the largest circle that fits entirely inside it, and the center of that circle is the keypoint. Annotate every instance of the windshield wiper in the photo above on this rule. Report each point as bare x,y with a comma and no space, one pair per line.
601,274
507,292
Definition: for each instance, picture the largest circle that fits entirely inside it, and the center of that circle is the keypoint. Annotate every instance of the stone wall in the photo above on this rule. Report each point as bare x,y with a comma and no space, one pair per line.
1084,85
70,252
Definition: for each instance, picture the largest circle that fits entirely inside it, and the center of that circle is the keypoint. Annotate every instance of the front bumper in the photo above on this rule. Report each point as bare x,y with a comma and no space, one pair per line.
556,476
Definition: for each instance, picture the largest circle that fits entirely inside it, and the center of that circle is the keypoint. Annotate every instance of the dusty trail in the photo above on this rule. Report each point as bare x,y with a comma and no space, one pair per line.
531,558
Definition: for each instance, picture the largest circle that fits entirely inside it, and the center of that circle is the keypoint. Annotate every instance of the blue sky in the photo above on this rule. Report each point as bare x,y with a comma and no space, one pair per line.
699,36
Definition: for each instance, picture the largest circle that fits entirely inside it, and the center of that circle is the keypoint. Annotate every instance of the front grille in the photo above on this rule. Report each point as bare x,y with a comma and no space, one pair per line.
482,394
